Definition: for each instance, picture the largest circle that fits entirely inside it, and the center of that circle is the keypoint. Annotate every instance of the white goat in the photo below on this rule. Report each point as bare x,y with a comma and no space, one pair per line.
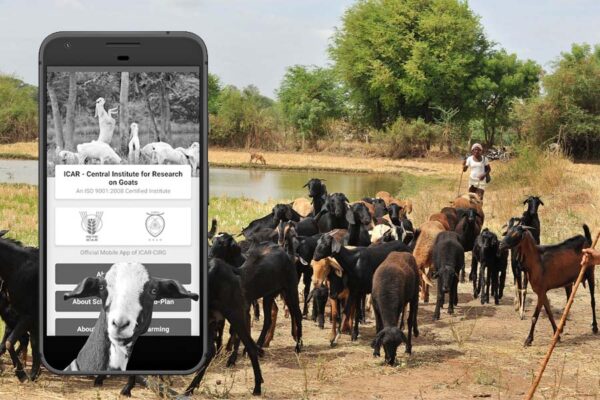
97,150
106,121
148,151
68,157
128,294
134,144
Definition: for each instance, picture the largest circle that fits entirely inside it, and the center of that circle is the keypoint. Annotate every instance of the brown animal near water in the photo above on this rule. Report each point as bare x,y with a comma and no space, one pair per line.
257,157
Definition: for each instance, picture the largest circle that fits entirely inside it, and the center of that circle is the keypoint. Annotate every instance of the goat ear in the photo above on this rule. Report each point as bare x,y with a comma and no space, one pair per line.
172,289
89,287
378,342
541,202
350,216
3,232
525,201
336,245
306,184
337,269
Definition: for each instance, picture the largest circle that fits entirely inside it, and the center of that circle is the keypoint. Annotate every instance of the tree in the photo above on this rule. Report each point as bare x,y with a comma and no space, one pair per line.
214,92
569,110
18,111
56,117
309,96
503,78
404,58
124,112
69,132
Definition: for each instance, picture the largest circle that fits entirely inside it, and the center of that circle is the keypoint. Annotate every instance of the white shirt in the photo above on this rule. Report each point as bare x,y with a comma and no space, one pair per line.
477,167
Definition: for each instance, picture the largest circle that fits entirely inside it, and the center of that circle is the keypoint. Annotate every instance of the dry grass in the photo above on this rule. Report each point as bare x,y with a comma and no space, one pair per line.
20,151
331,162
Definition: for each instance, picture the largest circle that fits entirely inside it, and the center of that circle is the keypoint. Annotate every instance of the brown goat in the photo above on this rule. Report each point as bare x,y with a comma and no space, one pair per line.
441,218
407,206
258,158
338,296
451,216
423,253
395,285
550,267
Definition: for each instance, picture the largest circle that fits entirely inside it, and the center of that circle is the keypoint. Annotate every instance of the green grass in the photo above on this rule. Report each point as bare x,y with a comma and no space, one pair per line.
19,212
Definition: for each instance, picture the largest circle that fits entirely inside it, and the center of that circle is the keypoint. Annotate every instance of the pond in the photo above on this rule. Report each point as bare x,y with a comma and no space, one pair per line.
19,171
264,184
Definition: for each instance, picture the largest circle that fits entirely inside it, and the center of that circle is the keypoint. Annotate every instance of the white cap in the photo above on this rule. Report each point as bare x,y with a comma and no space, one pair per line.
476,146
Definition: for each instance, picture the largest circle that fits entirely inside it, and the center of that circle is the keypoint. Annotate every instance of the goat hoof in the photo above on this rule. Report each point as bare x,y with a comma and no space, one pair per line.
256,392
376,354
528,342
595,328
408,350
416,333
126,392
22,376
260,352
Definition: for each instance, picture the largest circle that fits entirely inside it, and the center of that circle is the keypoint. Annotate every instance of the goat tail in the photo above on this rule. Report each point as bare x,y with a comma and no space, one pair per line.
213,228
588,234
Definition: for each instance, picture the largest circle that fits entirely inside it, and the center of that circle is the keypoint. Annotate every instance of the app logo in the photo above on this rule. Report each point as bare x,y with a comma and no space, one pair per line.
91,224
155,223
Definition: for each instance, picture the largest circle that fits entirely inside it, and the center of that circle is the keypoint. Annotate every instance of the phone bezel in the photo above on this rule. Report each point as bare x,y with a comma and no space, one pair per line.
155,49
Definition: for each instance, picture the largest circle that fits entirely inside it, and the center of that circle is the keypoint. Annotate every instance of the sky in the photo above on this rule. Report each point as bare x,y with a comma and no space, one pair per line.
253,41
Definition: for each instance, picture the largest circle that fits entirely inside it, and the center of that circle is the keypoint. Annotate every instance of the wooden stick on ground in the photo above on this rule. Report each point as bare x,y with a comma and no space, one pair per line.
560,327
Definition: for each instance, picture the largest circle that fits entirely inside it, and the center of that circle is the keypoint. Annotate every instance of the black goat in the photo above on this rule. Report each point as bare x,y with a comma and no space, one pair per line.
359,219
448,260
304,254
317,191
334,216
319,297
267,272
379,205
19,269
359,264
530,216
11,318
281,212
468,228
395,285
225,301
486,252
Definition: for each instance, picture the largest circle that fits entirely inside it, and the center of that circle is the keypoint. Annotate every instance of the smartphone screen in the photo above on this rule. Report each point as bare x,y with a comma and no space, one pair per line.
123,219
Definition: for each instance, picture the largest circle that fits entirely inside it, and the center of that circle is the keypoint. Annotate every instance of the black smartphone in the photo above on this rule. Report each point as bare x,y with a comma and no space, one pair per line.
123,202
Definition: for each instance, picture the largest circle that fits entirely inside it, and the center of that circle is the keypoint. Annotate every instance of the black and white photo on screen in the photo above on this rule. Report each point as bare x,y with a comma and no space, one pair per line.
123,118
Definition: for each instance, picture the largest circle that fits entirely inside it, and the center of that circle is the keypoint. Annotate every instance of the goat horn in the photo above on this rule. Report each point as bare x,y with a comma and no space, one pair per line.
426,279
527,227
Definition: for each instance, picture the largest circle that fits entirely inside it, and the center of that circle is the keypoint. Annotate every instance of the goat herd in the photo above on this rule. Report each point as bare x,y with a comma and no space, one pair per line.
342,251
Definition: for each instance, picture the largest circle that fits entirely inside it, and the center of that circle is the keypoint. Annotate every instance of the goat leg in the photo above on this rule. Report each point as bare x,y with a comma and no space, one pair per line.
334,322
210,354
17,332
236,320
271,331
549,313
591,284
126,391
99,380
267,309
534,319
35,357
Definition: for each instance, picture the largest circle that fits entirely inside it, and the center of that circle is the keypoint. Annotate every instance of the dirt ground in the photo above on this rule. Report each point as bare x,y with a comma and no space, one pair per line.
477,353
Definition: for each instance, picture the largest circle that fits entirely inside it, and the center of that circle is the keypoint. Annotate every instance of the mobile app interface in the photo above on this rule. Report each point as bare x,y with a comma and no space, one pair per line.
122,195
